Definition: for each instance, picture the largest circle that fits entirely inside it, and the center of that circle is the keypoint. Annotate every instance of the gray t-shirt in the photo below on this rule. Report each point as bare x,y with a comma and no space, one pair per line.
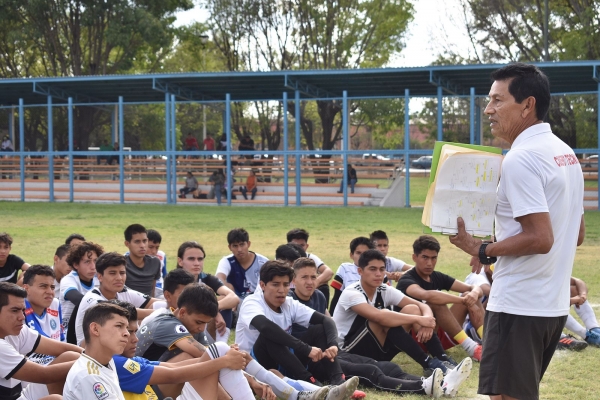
142,279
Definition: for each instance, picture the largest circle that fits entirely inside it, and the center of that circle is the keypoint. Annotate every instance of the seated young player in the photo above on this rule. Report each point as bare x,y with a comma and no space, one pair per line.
168,336
10,264
17,341
424,283
395,267
347,273
289,253
112,276
383,375
264,328
240,270
140,378
74,239
94,375
591,332
154,241
368,328
143,270
61,267
42,310
82,258
300,237
190,257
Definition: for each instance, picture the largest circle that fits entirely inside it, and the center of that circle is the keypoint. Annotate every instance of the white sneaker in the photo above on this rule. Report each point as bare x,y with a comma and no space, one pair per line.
455,377
344,391
433,384
319,394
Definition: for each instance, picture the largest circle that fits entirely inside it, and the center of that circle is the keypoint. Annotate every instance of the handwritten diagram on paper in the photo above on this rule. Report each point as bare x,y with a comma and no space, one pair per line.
465,186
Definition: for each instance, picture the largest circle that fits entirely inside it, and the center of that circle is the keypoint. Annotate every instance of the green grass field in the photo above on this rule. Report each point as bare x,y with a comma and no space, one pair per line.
38,228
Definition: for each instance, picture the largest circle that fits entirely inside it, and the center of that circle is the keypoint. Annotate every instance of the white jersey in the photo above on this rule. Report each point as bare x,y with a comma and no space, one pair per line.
244,281
292,311
90,380
317,260
56,289
344,317
94,296
394,264
156,313
346,275
72,282
13,351
49,324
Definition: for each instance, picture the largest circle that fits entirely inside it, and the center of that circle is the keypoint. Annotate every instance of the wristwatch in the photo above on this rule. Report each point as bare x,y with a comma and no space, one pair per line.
485,260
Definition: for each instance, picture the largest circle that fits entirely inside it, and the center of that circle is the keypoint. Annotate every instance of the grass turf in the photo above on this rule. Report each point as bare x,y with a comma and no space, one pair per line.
38,228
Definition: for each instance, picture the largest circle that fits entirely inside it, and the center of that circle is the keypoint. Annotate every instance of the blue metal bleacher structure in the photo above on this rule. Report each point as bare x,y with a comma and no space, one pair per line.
114,92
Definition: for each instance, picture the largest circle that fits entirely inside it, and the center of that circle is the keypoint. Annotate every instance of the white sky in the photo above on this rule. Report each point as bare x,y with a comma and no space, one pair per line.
437,25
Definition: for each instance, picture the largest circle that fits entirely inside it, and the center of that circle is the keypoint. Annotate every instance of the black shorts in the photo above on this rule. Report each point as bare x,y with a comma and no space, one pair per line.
516,352
365,343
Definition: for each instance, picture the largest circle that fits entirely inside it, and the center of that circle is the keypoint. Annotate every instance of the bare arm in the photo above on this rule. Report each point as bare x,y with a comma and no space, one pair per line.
223,279
228,299
191,346
581,232
578,286
51,347
432,296
144,312
32,372
196,369
389,318
325,275
24,268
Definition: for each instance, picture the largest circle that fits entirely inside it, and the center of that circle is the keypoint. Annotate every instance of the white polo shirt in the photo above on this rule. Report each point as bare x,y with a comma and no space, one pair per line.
539,174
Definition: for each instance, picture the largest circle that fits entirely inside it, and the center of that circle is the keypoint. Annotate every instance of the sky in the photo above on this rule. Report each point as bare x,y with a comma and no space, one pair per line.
437,25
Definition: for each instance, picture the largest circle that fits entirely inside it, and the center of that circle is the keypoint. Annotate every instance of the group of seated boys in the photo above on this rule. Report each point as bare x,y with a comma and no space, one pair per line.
104,325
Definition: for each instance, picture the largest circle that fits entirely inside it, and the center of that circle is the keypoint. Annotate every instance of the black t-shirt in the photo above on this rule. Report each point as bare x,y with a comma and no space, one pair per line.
10,271
317,302
438,281
211,281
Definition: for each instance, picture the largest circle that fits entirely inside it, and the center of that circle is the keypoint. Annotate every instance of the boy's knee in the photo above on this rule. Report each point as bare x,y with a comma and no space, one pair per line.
411,309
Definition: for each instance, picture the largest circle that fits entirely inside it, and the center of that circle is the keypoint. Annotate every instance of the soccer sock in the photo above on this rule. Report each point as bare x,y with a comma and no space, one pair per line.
587,315
435,348
575,326
234,382
300,385
466,342
480,331
279,386
402,340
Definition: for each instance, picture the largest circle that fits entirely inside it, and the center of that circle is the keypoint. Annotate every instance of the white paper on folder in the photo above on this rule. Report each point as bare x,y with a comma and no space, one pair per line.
466,187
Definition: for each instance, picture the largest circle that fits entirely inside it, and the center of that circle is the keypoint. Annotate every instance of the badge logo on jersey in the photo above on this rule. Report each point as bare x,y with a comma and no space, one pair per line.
132,366
53,324
180,329
100,391
143,329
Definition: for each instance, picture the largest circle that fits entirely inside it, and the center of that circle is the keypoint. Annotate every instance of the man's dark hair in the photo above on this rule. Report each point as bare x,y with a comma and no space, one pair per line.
35,270
298,233
128,306
303,262
6,239
189,245
237,235
132,230
175,278
62,250
289,252
368,256
198,298
378,235
361,240
107,260
526,81
426,242
72,236
10,289
77,253
273,268
100,314
153,236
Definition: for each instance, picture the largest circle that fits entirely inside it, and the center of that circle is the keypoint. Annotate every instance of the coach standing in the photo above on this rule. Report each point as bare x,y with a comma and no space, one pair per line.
539,224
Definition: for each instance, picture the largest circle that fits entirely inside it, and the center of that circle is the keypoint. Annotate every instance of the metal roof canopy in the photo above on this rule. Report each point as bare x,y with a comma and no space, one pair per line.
569,77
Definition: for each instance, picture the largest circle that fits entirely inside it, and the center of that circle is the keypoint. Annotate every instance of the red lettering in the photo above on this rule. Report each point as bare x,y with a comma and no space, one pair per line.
54,313
567,159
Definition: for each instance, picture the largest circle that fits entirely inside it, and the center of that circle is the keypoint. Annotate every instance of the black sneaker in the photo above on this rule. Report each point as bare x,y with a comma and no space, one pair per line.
568,342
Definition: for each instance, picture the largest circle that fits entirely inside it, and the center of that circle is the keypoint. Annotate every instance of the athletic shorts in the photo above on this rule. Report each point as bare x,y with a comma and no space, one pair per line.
445,339
516,352
188,393
365,343
34,391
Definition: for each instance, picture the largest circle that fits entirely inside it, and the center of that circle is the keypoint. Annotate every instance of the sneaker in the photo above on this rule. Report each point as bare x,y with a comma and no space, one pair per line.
433,385
593,337
319,394
477,353
344,391
358,395
570,343
432,364
455,377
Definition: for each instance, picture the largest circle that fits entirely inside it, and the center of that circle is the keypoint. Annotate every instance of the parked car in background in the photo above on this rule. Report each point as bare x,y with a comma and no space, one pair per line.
591,161
423,162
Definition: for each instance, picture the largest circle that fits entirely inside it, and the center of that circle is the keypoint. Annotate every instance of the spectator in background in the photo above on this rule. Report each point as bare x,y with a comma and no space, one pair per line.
7,144
218,181
114,157
250,186
191,144
104,147
191,184
352,179
209,143
246,144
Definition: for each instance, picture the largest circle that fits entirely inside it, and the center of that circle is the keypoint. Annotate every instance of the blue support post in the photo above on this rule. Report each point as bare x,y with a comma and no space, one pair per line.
598,144
174,147
70,122
345,137
407,146
440,126
298,161
22,146
228,149
50,151
121,158
285,148
168,146
472,117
